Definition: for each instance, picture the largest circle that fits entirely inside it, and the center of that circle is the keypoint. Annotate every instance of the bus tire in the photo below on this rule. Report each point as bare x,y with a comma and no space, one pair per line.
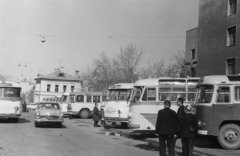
229,136
84,114
124,124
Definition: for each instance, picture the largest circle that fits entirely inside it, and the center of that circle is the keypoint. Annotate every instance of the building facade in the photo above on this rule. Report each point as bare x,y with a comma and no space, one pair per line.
55,84
218,38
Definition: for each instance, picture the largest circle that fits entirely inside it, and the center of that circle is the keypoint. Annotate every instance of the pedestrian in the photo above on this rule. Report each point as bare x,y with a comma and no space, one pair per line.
166,129
180,110
188,128
24,108
96,115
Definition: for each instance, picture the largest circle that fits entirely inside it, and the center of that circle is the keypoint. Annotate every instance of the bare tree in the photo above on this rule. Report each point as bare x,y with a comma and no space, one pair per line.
129,59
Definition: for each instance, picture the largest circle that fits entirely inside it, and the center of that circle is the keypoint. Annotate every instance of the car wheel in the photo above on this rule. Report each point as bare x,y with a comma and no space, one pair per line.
229,136
84,114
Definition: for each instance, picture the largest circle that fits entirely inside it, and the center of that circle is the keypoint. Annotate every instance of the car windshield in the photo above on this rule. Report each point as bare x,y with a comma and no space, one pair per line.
49,106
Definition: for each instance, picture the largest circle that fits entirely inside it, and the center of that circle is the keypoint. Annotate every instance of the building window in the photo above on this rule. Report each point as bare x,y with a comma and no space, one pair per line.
232,7
72,88
56,88
64,88
231,36
231,66
48,87
193,72
193,54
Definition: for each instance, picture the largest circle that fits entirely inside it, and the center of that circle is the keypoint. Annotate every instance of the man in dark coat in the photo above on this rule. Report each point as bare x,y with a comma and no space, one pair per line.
96,115
180,110
188,136
166,129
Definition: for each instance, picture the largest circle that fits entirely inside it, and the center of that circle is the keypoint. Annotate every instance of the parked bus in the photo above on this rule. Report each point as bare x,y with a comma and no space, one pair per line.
117,104
217,106
148,98
82,103
10,100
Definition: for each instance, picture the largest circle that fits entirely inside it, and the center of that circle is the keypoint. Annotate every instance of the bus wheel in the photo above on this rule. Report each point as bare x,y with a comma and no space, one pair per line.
84,114
229,136
124,124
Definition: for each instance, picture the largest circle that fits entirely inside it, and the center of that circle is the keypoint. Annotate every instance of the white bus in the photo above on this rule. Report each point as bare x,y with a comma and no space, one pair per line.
82,103
116,107
10,101
148,98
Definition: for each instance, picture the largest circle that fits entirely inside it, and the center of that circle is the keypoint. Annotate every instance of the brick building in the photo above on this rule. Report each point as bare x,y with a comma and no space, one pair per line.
217,39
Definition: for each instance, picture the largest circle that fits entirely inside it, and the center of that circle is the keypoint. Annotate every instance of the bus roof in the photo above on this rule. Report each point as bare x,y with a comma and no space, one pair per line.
122,86
219,79
9,84
166,81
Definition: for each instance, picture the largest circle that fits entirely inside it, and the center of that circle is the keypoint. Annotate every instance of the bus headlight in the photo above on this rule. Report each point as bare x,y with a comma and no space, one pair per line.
16,108
200,123
129,114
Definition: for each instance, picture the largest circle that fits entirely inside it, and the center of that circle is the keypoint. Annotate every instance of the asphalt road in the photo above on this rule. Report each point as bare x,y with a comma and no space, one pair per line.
76,137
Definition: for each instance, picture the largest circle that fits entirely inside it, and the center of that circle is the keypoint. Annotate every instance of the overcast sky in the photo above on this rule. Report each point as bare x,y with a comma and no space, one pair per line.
77,31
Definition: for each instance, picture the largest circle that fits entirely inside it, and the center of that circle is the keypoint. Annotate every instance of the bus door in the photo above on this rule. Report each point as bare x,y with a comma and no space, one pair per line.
236,105
222,108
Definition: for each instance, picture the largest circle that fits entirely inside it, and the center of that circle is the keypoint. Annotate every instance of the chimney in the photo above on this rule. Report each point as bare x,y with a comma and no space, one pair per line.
76,73
62,70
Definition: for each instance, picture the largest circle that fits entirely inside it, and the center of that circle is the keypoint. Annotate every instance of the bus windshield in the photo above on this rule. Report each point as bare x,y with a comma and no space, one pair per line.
204,94
121,94
137,91
10,92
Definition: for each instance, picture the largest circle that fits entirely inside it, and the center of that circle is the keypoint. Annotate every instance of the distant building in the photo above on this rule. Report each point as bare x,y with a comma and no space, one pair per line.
217,39
55,84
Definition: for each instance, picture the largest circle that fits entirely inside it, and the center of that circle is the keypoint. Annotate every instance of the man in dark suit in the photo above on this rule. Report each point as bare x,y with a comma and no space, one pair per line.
166,129
180,111
188,134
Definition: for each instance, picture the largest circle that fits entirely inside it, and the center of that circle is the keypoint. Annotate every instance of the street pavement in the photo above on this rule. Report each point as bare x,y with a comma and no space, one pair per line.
203,147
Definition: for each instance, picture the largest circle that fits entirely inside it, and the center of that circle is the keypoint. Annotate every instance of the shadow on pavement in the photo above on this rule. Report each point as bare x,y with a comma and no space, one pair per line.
20,121
207,142
47,125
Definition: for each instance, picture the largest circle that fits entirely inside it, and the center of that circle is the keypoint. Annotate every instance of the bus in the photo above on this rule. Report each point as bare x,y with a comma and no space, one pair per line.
82,103
148,98
10,100
117,104
217,106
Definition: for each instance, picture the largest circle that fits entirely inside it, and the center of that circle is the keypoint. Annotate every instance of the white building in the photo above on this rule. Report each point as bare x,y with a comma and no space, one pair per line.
55,84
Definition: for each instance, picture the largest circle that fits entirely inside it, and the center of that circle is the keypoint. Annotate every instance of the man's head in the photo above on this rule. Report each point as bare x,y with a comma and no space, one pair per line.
167,103
96,104
180,101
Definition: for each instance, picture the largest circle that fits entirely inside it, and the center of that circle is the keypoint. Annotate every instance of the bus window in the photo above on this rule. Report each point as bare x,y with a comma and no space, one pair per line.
169,93
191,94
104,98
237,93
96,99
11,92
64,98
149,94
204,94
136,93
72,98
89,98
223,94
80,98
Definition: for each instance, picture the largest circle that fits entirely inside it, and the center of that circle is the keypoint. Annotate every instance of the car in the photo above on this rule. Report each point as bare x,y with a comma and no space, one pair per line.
32,106
48,112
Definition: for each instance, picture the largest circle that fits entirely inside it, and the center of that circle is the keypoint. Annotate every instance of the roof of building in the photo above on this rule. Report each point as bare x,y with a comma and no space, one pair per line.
58,75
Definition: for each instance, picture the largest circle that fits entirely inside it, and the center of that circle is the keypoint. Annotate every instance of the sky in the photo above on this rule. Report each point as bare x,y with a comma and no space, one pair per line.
76,32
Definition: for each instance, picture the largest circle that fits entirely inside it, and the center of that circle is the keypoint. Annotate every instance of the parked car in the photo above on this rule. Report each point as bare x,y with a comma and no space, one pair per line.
32,106
48,112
